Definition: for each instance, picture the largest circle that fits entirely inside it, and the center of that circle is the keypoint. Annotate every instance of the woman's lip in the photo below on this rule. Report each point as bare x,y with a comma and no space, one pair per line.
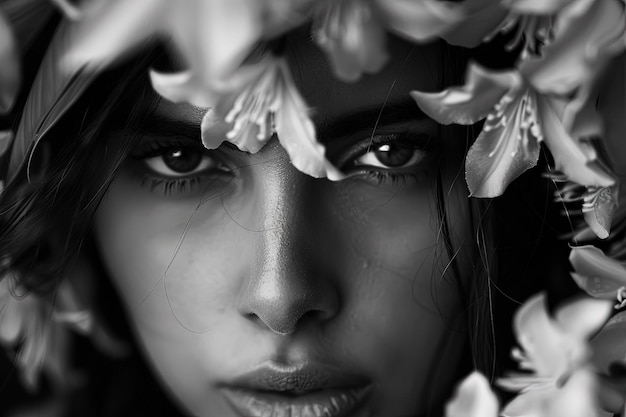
303,390
335,402
296,379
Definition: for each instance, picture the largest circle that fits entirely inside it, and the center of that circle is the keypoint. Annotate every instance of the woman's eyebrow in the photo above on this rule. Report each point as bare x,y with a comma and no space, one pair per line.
369,117
154,124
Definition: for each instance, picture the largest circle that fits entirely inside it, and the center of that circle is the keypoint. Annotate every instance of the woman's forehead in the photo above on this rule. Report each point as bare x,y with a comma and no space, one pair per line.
410,67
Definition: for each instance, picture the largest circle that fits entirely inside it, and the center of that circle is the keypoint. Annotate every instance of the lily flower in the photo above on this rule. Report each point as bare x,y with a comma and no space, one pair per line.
353,32
212,36
473,398
258,101
599,275
546,99
555,352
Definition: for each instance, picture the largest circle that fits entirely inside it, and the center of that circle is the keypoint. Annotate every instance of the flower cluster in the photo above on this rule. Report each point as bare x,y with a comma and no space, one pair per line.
554,95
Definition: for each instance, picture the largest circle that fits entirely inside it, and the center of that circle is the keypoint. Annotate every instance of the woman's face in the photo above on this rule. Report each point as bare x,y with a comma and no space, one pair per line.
256,290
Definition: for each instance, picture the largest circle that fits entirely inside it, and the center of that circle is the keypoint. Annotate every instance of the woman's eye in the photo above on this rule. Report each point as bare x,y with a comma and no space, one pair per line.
181,162
390,156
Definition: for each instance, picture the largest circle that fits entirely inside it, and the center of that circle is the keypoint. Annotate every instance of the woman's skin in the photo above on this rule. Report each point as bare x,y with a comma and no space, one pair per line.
246,264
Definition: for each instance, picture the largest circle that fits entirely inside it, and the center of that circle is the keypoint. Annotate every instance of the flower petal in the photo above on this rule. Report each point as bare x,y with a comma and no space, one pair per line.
472,102
10,75
543,342
576,159
505,149
179,87
109,29
596,273
420,20
528,404
473,398
536,6
582,318
481,18
609,345
352,37
577,398
296,134
598,210
587,34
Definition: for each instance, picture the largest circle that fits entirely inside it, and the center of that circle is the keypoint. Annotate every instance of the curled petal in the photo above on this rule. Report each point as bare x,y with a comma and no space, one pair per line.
536,6
596,273
598,208
9,66
352,37
504,149
576,159
587,34
472,102
473,398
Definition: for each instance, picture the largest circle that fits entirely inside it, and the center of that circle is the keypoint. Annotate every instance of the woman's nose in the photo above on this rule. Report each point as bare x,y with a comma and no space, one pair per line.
290,286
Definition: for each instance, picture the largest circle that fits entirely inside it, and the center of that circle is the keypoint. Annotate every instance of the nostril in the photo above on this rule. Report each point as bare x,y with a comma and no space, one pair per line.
284,318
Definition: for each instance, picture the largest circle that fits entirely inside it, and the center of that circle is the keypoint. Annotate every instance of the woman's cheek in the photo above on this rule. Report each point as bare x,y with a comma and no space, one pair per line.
168,256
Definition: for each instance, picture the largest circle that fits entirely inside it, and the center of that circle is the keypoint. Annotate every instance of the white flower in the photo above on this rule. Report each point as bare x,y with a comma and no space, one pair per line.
555,351
473,398
258,100
547,98
353,32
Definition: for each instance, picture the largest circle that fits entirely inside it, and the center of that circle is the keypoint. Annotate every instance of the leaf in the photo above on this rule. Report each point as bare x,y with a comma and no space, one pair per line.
596,273
504,149
472,102
473,398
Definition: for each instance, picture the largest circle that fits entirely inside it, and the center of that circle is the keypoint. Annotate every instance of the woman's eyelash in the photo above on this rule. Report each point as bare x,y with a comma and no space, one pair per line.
169,186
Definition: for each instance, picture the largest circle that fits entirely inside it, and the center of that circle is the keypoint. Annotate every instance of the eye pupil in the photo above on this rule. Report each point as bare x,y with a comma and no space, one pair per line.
182,161
393,155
